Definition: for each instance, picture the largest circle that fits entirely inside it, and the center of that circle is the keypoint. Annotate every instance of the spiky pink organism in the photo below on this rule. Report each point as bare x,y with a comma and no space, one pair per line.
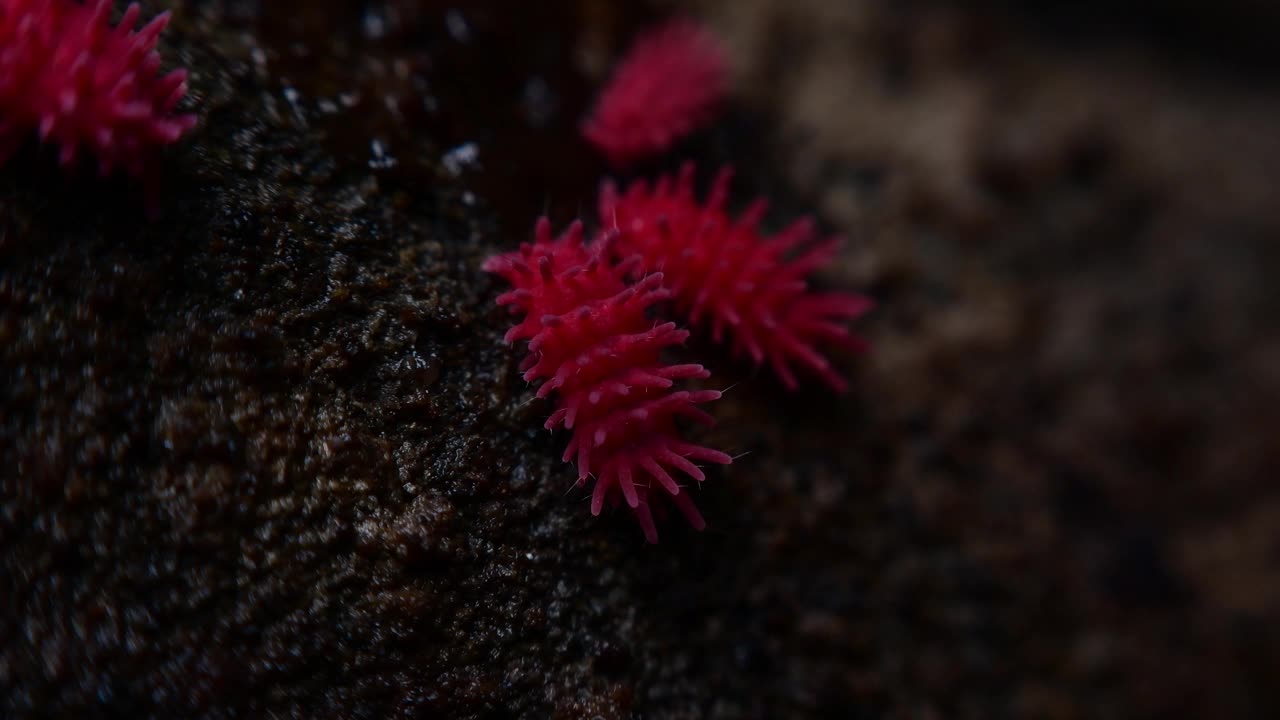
71,78
592,343
723,272
668,84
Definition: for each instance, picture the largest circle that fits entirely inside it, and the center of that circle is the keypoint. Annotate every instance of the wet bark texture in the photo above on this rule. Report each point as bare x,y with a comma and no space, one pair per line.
269,456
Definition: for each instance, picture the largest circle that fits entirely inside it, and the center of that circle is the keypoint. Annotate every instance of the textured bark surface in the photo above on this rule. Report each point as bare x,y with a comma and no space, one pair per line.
268,454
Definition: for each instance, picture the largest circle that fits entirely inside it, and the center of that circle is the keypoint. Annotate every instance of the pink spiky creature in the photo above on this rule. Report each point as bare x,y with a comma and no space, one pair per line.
592,344
668,84
70,78
724,273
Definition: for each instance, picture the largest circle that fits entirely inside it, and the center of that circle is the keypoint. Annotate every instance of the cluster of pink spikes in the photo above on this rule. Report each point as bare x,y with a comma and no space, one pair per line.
592,312
747,288
68,77
594,345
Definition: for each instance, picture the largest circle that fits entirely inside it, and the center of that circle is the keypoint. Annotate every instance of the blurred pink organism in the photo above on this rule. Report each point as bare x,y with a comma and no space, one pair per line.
69,77
723,272
669,83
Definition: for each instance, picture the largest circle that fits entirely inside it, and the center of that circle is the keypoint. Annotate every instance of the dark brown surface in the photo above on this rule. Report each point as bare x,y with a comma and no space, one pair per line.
269,456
